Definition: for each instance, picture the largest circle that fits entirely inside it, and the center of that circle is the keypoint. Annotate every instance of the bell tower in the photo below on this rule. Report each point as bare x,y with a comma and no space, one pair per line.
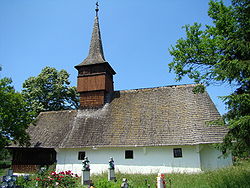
95,75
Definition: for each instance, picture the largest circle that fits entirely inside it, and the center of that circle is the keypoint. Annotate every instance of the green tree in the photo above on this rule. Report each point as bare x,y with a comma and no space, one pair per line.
50,91
14,116
221,53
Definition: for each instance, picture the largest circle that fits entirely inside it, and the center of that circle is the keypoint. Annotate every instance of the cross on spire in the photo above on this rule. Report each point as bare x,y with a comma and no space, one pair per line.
97,8
96,55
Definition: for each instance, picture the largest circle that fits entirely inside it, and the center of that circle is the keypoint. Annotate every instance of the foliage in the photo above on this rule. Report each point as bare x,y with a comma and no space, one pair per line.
50,179
25,181
61,179
4,154
5,164
221,53
49,91
2,172
104,183
14,116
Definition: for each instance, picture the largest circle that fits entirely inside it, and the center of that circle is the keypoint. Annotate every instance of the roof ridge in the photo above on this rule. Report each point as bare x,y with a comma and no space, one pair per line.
57,111
158,87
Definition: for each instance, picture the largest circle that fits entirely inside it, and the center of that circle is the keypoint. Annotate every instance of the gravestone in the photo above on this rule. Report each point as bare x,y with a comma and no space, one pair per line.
86,172
111,170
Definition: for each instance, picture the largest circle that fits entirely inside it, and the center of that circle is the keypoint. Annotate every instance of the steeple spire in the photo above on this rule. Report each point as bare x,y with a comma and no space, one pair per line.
95,75
96,55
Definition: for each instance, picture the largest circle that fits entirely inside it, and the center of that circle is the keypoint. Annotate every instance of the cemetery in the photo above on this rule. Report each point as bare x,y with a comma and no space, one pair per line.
231,176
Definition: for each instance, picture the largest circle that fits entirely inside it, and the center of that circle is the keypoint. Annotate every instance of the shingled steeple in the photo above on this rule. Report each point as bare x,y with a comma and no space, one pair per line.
96,54
95,75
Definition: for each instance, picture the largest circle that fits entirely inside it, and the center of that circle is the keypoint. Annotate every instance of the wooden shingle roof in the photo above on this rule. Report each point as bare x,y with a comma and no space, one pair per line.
171,115
96,55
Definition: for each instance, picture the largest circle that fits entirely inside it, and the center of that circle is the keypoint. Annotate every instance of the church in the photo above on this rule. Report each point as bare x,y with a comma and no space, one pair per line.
149,130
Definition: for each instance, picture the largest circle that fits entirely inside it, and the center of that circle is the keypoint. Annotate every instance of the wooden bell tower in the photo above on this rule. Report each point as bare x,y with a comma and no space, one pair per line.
95,75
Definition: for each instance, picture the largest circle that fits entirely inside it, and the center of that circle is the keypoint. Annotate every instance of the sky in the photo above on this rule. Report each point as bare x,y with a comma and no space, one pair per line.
136,36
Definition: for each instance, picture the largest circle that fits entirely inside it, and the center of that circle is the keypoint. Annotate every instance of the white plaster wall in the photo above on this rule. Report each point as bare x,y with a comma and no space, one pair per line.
212,158
146,160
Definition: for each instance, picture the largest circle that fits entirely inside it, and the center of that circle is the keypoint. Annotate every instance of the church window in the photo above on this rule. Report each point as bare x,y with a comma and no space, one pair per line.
81,155
129,154
177,152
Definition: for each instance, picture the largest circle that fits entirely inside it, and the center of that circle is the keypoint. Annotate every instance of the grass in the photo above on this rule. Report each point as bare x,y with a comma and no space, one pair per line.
237,176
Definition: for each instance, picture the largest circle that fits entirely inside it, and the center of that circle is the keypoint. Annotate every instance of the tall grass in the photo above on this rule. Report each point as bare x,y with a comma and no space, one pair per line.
237,176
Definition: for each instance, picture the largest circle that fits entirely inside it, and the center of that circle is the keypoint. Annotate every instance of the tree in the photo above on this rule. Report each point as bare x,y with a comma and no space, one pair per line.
14,116
221,53
49,91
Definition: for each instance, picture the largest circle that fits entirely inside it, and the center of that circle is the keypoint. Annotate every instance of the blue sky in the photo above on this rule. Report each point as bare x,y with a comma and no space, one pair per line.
136,36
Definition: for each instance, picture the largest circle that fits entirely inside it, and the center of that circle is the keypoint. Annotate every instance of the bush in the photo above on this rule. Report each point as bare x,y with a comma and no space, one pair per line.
26,181
61,179
5,164
50,179
4,154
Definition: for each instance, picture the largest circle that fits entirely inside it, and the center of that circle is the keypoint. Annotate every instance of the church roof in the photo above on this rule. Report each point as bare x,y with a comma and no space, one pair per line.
162,116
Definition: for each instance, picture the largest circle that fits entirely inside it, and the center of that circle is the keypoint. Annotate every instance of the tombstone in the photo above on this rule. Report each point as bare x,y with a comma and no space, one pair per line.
124,183
86,172
111,170
42,170
10,172
161,181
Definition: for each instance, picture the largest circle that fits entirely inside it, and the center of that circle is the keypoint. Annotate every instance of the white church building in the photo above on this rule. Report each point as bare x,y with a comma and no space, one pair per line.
150,130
